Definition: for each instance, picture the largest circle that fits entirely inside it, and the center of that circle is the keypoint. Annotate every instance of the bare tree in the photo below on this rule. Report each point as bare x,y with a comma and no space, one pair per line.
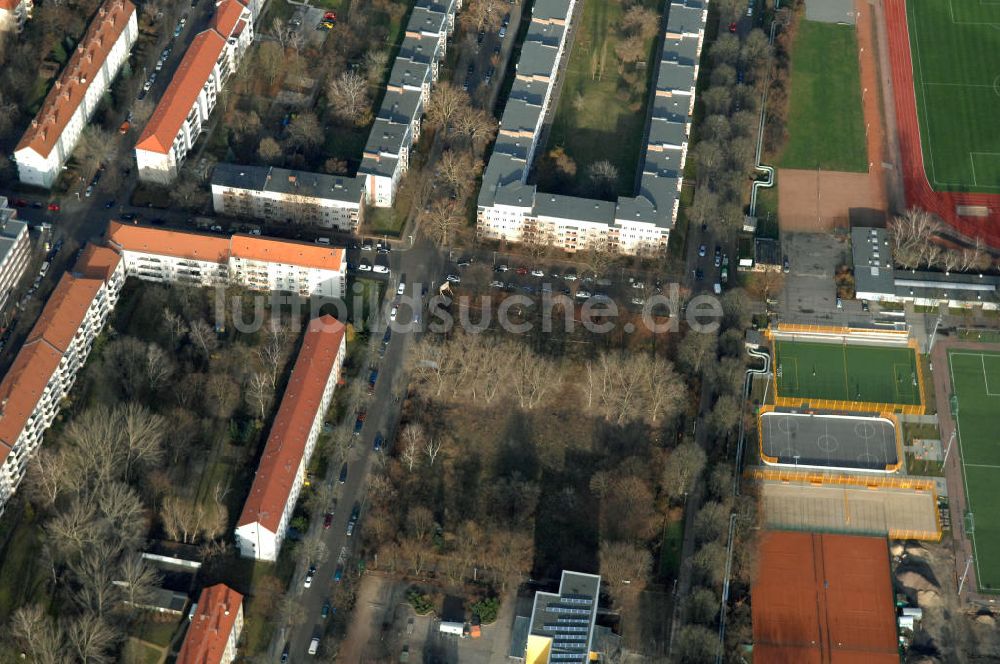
49,475
457,169
94,570
139,579
92,638
305,132
159,367
695,644
348,97
313,550
39,635
203,337
446,102
142,433
420,522
272,351
477,126
603,175
432,448
485,15
270,60
682,469
269,150
123,512
442,221
259,393
696,350
413,438
70,530
376,60
625,567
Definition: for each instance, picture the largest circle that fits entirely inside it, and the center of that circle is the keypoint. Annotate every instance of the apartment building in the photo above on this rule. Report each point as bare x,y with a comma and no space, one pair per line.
14,250
282,196
511,209
258,263
14,14
264,521
386,155
49,141
215,627
47,364
183,112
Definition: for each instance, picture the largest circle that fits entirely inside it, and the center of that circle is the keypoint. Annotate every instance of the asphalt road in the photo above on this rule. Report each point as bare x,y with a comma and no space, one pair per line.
422,264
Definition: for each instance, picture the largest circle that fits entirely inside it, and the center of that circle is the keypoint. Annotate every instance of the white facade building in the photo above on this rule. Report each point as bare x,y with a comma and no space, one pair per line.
215,627
183,112
46,366
55,130
267,512
258,263
14,250
513,210
282,196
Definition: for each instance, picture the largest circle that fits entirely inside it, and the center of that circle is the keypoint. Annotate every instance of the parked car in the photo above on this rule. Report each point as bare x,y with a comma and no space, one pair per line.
453,278
343,474
392,313
401,288
702,250
325,611
124,127
372,378
338,573
314,646
377,445
359,422
309,579
328,520
582,294
537,273
54,207
364,266
503,32
381,269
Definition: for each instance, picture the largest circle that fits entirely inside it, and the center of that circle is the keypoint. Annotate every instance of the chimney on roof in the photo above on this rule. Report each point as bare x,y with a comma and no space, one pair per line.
291,179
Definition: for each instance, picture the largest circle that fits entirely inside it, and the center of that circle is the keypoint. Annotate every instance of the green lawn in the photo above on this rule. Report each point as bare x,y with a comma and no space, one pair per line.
670,550
826,128
955,49
975,381
599,116
875,374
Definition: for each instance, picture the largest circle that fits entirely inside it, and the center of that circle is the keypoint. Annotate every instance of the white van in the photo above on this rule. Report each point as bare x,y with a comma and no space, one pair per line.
322,240
717,288
314,646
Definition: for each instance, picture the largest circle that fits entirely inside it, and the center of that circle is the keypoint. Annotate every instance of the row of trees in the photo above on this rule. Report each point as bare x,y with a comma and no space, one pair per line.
914,242
725,150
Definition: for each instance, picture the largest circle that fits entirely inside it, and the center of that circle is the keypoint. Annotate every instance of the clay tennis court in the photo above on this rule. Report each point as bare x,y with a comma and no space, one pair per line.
823,598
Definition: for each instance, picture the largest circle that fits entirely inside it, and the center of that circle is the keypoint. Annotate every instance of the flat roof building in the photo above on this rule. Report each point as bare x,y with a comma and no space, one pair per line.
561,627
14,249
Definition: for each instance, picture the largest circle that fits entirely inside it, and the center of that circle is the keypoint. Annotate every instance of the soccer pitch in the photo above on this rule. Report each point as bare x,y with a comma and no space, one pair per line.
975,383
847,372
955,50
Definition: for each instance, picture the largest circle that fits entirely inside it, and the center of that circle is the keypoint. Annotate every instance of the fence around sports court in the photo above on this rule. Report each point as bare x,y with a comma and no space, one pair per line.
847,336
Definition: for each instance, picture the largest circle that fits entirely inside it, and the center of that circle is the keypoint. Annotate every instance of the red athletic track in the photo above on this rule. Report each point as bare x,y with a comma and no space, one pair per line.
918,190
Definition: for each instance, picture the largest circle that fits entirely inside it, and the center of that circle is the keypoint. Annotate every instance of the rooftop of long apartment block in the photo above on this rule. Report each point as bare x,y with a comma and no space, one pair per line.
285,181
529,92
21,388
400,107
179,244
427,21
409,74
574,207
287,252
521,116
208,634
83,66
10,230
281,460
227,16
546,10
418,50
537,60
823,598
687,16
185,86
64,311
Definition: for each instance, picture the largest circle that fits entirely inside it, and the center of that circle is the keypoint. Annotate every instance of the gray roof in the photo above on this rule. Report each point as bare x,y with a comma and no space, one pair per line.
426,20
537,59
401,107
574,207
386,137
637,209
683,51
872,273
568,617
550,9
502,182
532,92
519,637
443,6
408,73
674,76
281,180
521,116
419,50
550,34
687,17
663,131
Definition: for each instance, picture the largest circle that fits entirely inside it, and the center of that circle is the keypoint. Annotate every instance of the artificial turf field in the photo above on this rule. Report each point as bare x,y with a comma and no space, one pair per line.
955,50
839,372
825,76
975,381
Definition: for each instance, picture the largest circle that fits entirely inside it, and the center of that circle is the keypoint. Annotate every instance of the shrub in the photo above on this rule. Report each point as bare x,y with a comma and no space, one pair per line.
487,609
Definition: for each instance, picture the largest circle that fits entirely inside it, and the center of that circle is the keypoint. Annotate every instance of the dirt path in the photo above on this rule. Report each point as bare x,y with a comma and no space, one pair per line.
891,159
870,100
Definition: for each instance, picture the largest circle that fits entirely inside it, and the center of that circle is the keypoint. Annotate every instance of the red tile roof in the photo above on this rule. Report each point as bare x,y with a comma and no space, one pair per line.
69,89
22,387
303,254
179,244
286,443
9,5
823,598
98,262
208,633
227,15
190,77
65,310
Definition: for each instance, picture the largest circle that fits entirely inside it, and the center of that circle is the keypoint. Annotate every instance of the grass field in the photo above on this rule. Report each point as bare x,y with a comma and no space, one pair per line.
955,49
975,381
876,374
599,116
826,128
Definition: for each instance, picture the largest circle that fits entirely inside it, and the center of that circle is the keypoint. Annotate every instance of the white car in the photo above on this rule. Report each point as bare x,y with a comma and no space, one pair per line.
314,646
381,269
537,273
569,276
392,314
453,278
309,580
401,288
364,267
582,294
638,300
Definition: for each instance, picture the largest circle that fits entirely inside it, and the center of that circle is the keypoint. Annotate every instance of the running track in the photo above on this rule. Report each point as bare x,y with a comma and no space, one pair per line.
918,190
